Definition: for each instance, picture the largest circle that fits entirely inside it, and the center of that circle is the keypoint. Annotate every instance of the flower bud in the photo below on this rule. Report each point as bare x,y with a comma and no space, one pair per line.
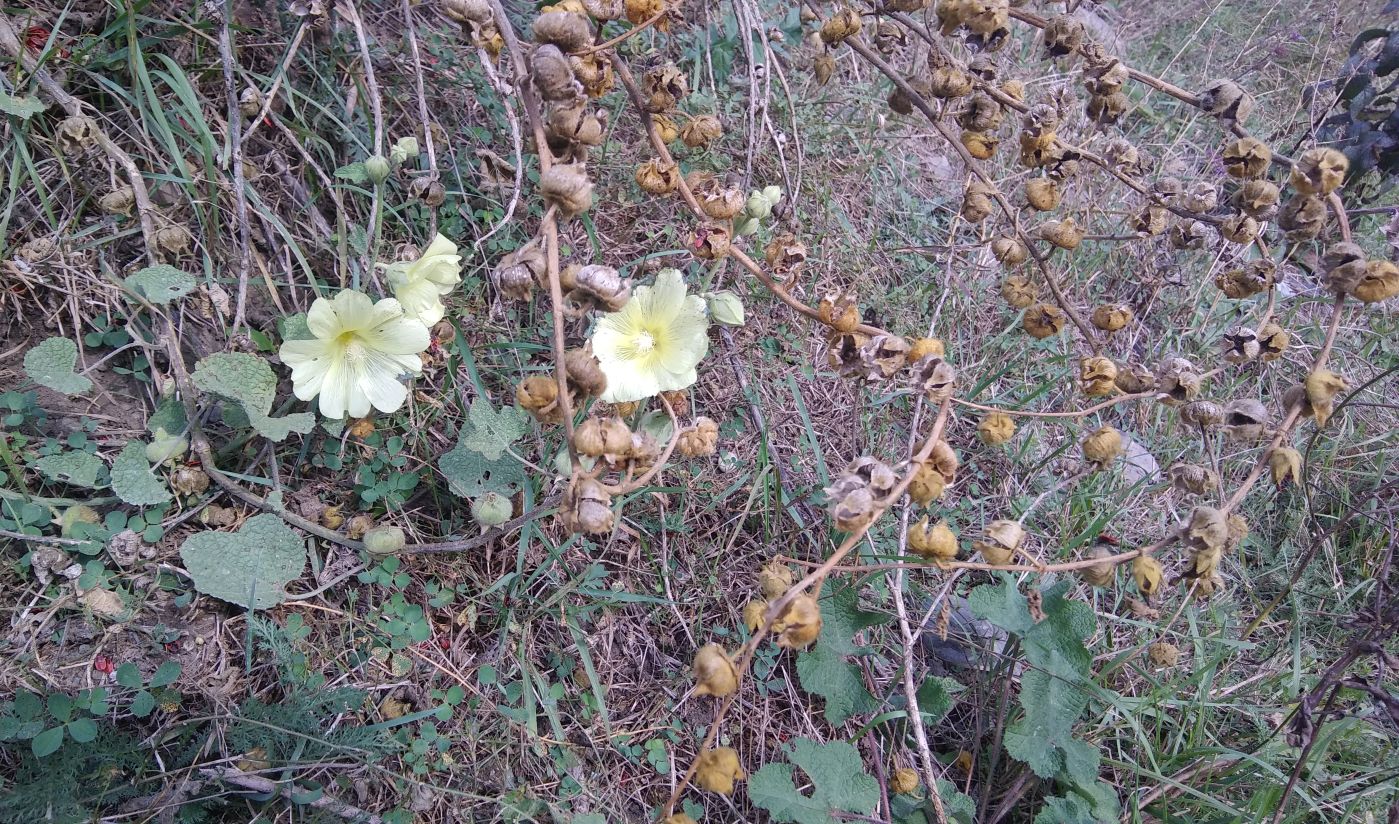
377,169
714,672
491,509
384,540
165,448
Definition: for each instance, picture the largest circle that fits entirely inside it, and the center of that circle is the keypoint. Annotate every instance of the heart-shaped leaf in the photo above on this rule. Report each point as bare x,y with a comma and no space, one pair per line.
51,364
72,467
134,481
250,567
161,283
248,380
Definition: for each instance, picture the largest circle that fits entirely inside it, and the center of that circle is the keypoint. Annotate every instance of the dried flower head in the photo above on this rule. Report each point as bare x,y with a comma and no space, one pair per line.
1303,217
1178,381
1043,320
1111,317
840,311
539,396
1134,378
933,376
553,74
1103,446
1009,251
1193,479
1322,386
1019,291
1202,414
1226,100
1163,654
1097,376
1066,234
701,131
995,428
976,202
980,145
1150,221
1272,341
658,177
904,781
566,187
609,439
844,23
799,623
1247,157
1319,171
785,254
1062,35
714,672
774,579
1042,193
700,440
1238,228
716,770
663,86
935,543
1258,199
1344,265
998,543
1246,281
1240,345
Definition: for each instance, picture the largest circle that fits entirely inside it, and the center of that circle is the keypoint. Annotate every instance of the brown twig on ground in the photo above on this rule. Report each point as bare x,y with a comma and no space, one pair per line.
235,162
411,28
238,778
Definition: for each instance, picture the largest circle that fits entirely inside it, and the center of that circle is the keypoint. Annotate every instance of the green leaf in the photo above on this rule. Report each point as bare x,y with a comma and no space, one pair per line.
470,474
74,467
838,776
60,706
260,559
129,676
133,480
838,681
21,107
1002,605
82,730
143,704
161,283
934,699
277,429
490,432
248,380
47,742
165,674
294,327
51,364
168,416
1070,810
353,172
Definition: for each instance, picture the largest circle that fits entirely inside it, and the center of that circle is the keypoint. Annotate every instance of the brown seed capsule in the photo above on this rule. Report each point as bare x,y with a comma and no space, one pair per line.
604,10
1111,317
999,542
1247,157
188,480
1009,251
887,37
1163,654
981,113
1107,109
585,375
1247,281
359,524
1200,196
785,254
840,311
1100,574
980,145
700,440
1272,341
947,82
1258,199
663,86
1178,381
995,429
1105,77
923,347
1285,464
823,67
1319,171
566,187
518,271
933,376
1380,282
927,485
701,131
721,203
678,400
601,285
799,623
1043,320
1303,217
1226,100
594,71
1202,414
1193,479
976,202
934,543
75,135
1019,291
1187,234
714,672
853,509
1245,419
539,396
1123,155
173,240
904,781
844,23
658,177
1147,574
712,241
587,507
553,74
1103,446
569,31
1150,221
1240,345
666,128
1097,376
1322,386
843,354
1207,530
1042,193
774,579
754,613
717,769
1238,228
1345,266
119,201
1134,378
1066,234
1062,35
468,11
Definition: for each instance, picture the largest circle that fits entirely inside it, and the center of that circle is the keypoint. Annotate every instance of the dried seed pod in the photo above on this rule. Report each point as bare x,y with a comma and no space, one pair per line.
701,131
1303,217
639,11
840,311
119,201
843,354
976,202
717,769
887,37
844,23
566,187
644,451
76,135
602,285
1380,282
468,11
1178,381
188,480
1066,234
935,543
873,473
1123,155
1257,276
995,428
1247,157
1100,574
1150,221
981,113
1105,77
904,781
948,82
1147,575
823,67
712,241
933,376
799,623
1020,292
569,31
1187,234
1240,345
1285,464
609,439
1200,196
1239,228
900,101
1245,419
1202,414
1103,446
1272,341
553,74
173,240
1107,109
662,87
999,542
1042,193
518,271
1168,188
1206,531
714,672
1062,35
1319,171
754,613
1238,531
720,203
1322,386
774,580
1010,252
1111,317
700,440
1193,479
1043,320
586,507
1258,199
658,177
539,396
1135,378
1163,654
1345,265
573,123
1226,100
1097,376
980,145
923,347
666,128
853,510
927,485
604,10
785,254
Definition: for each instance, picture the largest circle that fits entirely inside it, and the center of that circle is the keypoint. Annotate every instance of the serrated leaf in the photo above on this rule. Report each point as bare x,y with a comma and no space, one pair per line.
470,475
277,429
838,776
491,432
21,107
134,481
249,380
51,364
161,283
1070,810
169,416
260,559
73,467
1002,605
838,681
294,327
958,806
353,172
842,618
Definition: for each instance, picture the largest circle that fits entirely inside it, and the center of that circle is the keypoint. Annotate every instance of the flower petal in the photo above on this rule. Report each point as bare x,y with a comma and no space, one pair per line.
335,389
377,382
421,299
398,336
627,382
353,309
322,320
669,381
666,299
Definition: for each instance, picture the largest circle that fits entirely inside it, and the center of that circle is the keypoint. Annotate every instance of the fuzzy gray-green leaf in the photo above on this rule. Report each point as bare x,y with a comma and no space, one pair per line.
134,481
51,364
260,559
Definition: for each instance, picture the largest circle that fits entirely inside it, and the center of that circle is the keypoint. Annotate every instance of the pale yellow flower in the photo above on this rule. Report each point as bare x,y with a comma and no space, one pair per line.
359,351
420,284
654,343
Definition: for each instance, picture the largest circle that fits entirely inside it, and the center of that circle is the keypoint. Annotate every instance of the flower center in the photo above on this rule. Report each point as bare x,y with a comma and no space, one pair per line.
355,350
645,342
